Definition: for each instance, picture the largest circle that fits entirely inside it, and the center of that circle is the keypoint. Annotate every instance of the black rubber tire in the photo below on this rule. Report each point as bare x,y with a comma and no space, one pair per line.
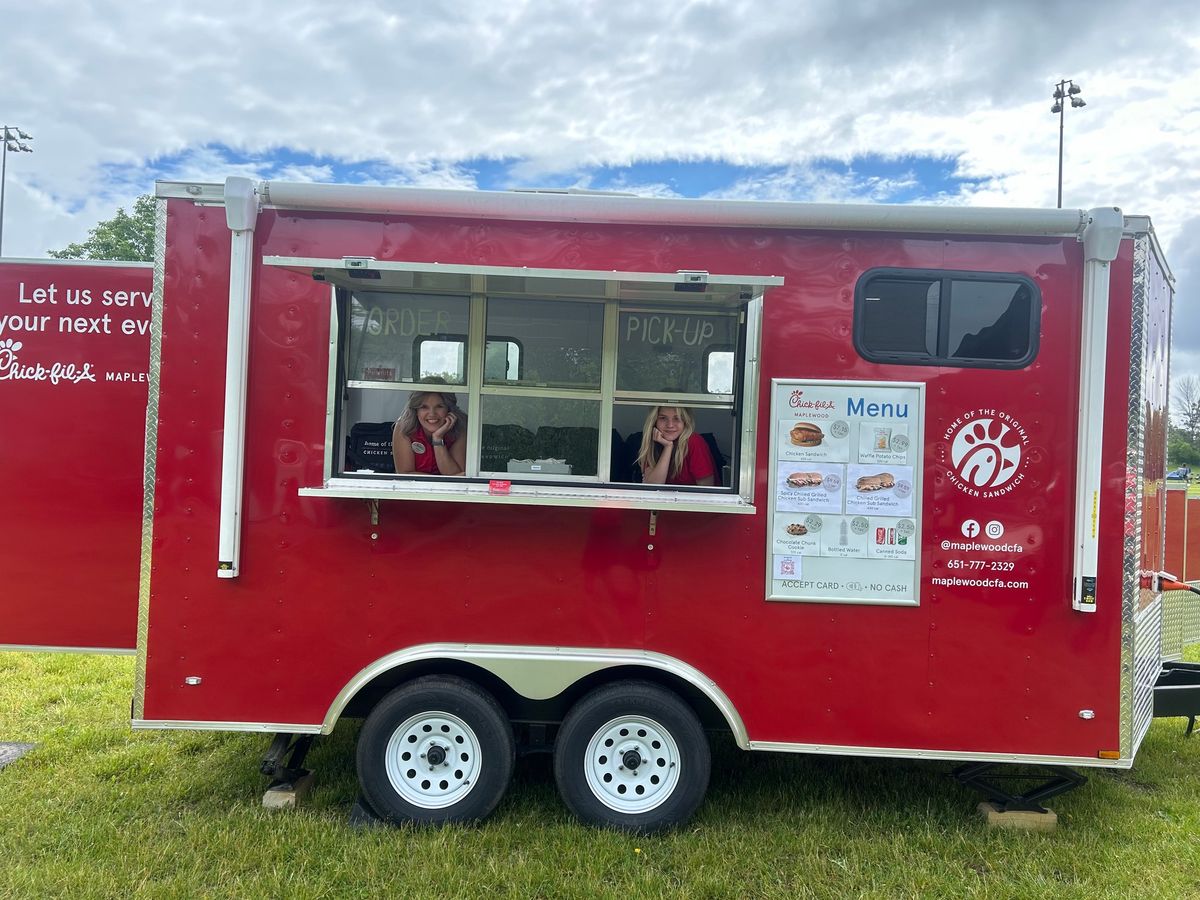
481,785
637,700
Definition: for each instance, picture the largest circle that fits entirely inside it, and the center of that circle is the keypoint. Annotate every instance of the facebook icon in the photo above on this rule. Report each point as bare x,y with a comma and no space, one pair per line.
970,528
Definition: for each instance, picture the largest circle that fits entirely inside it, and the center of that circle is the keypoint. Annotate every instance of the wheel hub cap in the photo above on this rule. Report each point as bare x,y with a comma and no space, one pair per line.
632,764
432,759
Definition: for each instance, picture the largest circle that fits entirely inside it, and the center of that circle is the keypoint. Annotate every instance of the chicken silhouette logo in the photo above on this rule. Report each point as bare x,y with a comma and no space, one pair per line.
986,454
8,353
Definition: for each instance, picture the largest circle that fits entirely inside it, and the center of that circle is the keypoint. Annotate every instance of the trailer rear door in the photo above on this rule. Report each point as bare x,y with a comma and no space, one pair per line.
74,347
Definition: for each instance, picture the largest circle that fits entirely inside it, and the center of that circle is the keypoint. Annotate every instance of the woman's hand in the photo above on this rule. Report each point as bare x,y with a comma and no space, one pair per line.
446,426
656,473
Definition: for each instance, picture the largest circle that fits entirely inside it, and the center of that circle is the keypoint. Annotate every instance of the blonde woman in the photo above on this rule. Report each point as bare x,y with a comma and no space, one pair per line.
429,437
672,452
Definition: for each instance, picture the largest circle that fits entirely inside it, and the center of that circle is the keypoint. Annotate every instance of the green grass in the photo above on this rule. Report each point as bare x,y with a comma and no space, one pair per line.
98,810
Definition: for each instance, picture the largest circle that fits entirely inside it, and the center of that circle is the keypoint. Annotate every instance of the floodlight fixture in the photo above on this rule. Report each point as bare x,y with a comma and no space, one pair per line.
1065,89
12,139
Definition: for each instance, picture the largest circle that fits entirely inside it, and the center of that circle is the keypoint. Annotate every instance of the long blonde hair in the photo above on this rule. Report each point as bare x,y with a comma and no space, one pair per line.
648,454
407,423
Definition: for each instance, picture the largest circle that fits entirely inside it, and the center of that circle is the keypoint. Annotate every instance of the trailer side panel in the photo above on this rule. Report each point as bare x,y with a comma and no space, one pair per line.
73,354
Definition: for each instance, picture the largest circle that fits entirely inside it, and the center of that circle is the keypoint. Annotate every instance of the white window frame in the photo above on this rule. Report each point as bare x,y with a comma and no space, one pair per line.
676,290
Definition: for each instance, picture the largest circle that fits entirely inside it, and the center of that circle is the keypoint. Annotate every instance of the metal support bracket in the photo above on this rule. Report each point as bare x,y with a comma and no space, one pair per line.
272,765
1051,782
653,523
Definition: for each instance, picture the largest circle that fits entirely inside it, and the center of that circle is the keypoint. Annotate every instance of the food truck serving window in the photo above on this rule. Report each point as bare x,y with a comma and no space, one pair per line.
552,373
943,318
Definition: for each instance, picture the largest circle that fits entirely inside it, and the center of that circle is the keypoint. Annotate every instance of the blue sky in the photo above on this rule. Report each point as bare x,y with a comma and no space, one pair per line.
866,178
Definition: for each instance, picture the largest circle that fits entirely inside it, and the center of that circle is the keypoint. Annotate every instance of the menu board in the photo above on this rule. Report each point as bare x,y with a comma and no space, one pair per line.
845,473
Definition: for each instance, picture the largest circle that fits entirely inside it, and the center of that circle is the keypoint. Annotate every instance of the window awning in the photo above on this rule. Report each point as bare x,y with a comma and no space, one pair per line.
690,287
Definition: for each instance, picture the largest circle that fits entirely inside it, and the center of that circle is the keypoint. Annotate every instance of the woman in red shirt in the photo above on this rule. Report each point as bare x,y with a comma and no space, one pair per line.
428,438
672,452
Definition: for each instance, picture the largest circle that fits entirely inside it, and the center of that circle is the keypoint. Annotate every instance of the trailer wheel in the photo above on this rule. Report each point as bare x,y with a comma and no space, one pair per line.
437,750
632,756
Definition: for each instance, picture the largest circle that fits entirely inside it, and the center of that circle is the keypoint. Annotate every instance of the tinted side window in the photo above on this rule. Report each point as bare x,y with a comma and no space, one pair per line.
989,320
930,317
901,316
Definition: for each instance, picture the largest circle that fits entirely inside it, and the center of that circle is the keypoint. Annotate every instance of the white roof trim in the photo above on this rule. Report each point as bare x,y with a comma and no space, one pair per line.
556,207
608,209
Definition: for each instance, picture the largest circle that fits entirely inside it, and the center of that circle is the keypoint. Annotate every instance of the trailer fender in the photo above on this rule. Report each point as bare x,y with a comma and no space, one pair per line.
540,673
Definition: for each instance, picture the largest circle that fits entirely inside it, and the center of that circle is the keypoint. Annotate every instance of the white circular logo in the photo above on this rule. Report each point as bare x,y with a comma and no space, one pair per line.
986,452
994,529
970,528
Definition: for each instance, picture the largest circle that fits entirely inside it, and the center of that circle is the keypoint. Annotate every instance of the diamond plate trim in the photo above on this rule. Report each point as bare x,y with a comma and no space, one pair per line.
1136,630
1175,605
1189,627
1147,665
156,325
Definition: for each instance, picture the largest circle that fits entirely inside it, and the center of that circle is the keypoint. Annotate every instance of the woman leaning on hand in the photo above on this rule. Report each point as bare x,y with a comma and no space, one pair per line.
429,437
672,452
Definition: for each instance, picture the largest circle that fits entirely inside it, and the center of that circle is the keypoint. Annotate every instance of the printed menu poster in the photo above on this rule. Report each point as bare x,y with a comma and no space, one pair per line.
846,464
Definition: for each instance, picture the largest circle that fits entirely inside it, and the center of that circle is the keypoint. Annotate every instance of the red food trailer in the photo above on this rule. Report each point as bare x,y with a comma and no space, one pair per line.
74,346
926,521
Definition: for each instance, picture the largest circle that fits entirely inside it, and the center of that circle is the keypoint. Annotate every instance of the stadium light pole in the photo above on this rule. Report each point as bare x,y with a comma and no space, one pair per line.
13,139
1064,90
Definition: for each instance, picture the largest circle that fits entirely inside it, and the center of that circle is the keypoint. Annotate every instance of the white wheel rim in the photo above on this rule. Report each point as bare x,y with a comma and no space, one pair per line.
432,759
638,788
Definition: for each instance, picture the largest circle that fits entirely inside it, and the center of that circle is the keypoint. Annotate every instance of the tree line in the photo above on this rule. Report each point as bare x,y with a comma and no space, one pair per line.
1183,435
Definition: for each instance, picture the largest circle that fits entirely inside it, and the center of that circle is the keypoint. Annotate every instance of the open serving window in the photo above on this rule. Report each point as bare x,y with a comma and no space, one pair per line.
553,370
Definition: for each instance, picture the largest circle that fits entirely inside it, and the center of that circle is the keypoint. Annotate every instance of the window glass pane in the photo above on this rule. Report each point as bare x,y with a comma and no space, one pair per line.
719,372
900,316
716,426
560,341
989,320
369,414
441,359
386,330
445,359
665,351
521,433
502,361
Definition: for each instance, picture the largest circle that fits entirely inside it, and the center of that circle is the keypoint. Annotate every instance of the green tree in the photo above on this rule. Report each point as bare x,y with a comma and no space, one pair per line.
1181,453
123,237
1186,407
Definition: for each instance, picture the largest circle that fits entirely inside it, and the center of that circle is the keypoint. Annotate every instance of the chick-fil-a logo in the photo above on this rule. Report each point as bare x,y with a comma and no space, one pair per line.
796,401
986,452
56,373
